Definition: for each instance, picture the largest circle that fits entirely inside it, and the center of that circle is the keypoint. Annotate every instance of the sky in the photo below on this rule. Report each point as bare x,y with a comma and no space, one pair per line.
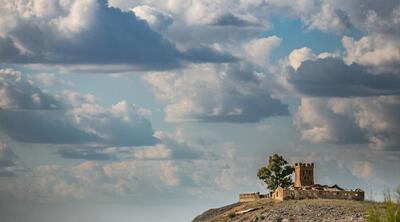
149,110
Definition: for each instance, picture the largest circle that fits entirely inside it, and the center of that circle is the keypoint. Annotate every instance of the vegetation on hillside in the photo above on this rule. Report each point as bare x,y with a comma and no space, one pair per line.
391,211
278,173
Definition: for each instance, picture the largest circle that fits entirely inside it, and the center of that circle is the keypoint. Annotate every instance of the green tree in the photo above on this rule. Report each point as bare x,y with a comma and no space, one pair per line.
278,173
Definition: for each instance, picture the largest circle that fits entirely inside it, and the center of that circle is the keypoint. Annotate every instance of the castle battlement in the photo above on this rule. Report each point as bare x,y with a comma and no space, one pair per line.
304,174
304,164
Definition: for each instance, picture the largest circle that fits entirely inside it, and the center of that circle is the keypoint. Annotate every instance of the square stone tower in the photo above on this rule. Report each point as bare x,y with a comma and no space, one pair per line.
304,174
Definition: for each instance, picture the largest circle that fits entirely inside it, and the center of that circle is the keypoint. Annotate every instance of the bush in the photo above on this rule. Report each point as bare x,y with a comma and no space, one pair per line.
231,215
391,212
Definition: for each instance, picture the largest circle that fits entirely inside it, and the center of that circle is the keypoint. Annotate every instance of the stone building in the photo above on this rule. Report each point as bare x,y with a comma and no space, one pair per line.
303,174
305,188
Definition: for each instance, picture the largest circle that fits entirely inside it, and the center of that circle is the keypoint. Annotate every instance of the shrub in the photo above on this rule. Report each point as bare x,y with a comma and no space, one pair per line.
231,215
391,212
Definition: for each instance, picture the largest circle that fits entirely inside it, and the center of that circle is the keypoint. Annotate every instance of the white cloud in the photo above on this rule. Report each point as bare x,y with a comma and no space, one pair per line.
339,16
157,19
30,114
379,52
87,32
258,50
229,23
16,92
319,123
81,15
91,36
99,181
297,56
373,121
121,109
226,93
329,19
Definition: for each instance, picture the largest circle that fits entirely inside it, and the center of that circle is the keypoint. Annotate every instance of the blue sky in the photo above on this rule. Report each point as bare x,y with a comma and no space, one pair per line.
132,110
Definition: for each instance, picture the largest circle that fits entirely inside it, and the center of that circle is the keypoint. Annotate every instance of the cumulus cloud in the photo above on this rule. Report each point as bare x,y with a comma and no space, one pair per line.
258,50
207,22
157,19
323,15
333,78
29,114
378,48
297,56
329,18
339,16
378,52
92,180
19,94
179,147
228,93
85,32
320,123
170,146
372,120
223,13
82,32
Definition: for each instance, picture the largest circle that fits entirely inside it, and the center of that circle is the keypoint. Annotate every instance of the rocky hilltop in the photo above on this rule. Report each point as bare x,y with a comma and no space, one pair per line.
292,210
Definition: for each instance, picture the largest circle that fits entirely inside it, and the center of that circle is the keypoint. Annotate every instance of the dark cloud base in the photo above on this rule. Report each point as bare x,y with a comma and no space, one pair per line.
333,78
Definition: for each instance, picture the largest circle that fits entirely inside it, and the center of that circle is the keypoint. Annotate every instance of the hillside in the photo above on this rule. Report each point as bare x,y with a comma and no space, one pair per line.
292,210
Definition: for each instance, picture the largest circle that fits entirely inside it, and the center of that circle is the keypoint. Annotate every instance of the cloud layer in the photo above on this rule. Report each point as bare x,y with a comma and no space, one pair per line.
372,121
229,93
87,32
29,114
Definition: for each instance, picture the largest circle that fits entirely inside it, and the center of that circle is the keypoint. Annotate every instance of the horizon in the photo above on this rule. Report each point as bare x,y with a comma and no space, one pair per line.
136,110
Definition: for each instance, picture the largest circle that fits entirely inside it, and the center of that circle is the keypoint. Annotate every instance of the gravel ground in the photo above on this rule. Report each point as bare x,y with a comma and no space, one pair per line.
287,211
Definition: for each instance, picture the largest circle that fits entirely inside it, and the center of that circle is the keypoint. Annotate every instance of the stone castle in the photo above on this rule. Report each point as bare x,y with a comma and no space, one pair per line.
305,188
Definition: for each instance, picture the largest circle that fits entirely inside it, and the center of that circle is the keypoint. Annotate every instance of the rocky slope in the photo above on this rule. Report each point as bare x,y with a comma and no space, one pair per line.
293,210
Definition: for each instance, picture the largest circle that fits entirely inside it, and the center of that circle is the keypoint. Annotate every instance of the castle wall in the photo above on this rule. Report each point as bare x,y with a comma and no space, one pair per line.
248,197
286,194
